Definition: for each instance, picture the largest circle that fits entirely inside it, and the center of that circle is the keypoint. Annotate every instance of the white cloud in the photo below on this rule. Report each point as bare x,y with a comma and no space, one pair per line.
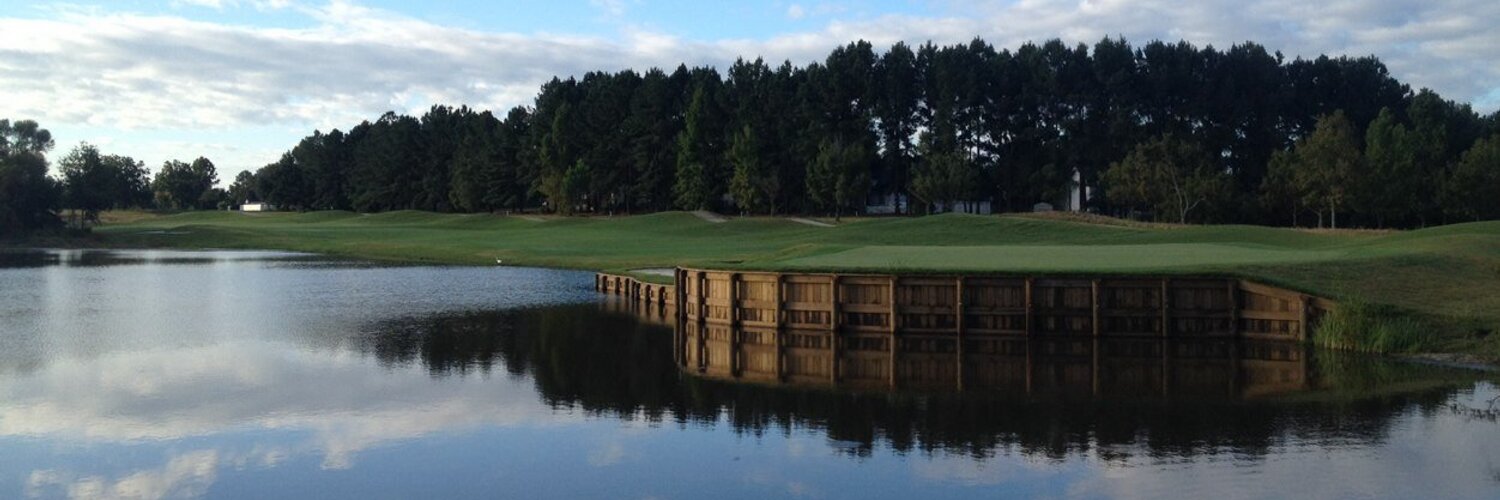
795,12
166,73
183,476
341,401
611,453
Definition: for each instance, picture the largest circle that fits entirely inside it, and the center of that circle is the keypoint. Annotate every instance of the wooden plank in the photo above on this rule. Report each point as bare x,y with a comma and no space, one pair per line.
1273,315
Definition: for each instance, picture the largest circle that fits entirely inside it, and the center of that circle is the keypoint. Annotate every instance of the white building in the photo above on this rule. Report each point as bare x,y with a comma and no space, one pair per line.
256,206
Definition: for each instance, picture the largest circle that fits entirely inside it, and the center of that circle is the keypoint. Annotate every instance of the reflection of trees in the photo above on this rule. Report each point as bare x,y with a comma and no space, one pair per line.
609,364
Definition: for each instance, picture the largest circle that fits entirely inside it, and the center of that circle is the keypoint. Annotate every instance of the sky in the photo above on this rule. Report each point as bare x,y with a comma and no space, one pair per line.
241,81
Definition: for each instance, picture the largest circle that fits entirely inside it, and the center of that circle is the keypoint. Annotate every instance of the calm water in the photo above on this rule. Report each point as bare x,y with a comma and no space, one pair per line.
270,375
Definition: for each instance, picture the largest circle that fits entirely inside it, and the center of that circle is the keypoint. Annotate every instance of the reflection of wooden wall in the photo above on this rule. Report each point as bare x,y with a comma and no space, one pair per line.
1081,366
1040,306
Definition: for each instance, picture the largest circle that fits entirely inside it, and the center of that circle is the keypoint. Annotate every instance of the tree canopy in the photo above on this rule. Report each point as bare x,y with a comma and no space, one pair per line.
1169,176
28,197
931,122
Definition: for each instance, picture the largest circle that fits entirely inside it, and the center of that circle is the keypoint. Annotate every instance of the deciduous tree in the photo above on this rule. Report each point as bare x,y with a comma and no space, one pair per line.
1171,176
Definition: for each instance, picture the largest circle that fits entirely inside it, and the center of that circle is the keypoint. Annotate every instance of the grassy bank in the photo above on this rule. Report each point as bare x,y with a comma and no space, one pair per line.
1447,279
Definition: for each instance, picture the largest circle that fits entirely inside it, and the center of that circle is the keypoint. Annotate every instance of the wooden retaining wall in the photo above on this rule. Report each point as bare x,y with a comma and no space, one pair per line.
855,304
634,290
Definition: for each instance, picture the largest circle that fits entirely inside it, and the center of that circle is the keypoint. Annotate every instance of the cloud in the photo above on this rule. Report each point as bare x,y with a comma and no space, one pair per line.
609,454
183,476
795,12
352,62
342,402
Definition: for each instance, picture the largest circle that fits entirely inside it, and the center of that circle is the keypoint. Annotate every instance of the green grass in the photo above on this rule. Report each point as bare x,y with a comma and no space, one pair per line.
1446,279
1359,326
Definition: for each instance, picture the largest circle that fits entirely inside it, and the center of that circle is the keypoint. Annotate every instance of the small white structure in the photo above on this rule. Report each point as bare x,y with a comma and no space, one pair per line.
1076,193
256,206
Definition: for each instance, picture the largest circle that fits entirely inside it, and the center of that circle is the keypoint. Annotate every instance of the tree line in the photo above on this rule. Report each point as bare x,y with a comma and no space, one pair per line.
88,182
1168,131
935,125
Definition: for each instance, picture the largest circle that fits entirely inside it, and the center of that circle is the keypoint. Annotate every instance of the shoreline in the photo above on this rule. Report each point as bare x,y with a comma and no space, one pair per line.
1423,277
1455,360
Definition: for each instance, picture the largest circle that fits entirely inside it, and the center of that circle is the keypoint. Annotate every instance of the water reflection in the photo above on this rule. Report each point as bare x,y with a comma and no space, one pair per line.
1052,399
29,258
1106,368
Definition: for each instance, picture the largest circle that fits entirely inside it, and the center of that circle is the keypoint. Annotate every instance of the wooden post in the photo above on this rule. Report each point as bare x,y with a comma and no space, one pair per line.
734,301
835,295
1095,322
958,347
958,307
684,285
1305,314
700,291
1234,308
833,325
1030,310
891,329
1166,307
891,304
702,346
779,298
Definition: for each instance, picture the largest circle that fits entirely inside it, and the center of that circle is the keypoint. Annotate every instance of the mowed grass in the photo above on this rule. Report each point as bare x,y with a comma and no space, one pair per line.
1448,276
1105,259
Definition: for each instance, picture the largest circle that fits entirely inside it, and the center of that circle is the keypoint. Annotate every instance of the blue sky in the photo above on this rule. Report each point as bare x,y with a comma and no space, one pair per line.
241,80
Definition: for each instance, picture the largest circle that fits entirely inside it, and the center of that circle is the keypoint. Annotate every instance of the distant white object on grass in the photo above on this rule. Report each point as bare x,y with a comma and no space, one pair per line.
498,261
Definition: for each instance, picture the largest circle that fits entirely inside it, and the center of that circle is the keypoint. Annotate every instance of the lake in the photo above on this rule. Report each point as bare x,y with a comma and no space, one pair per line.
234,374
